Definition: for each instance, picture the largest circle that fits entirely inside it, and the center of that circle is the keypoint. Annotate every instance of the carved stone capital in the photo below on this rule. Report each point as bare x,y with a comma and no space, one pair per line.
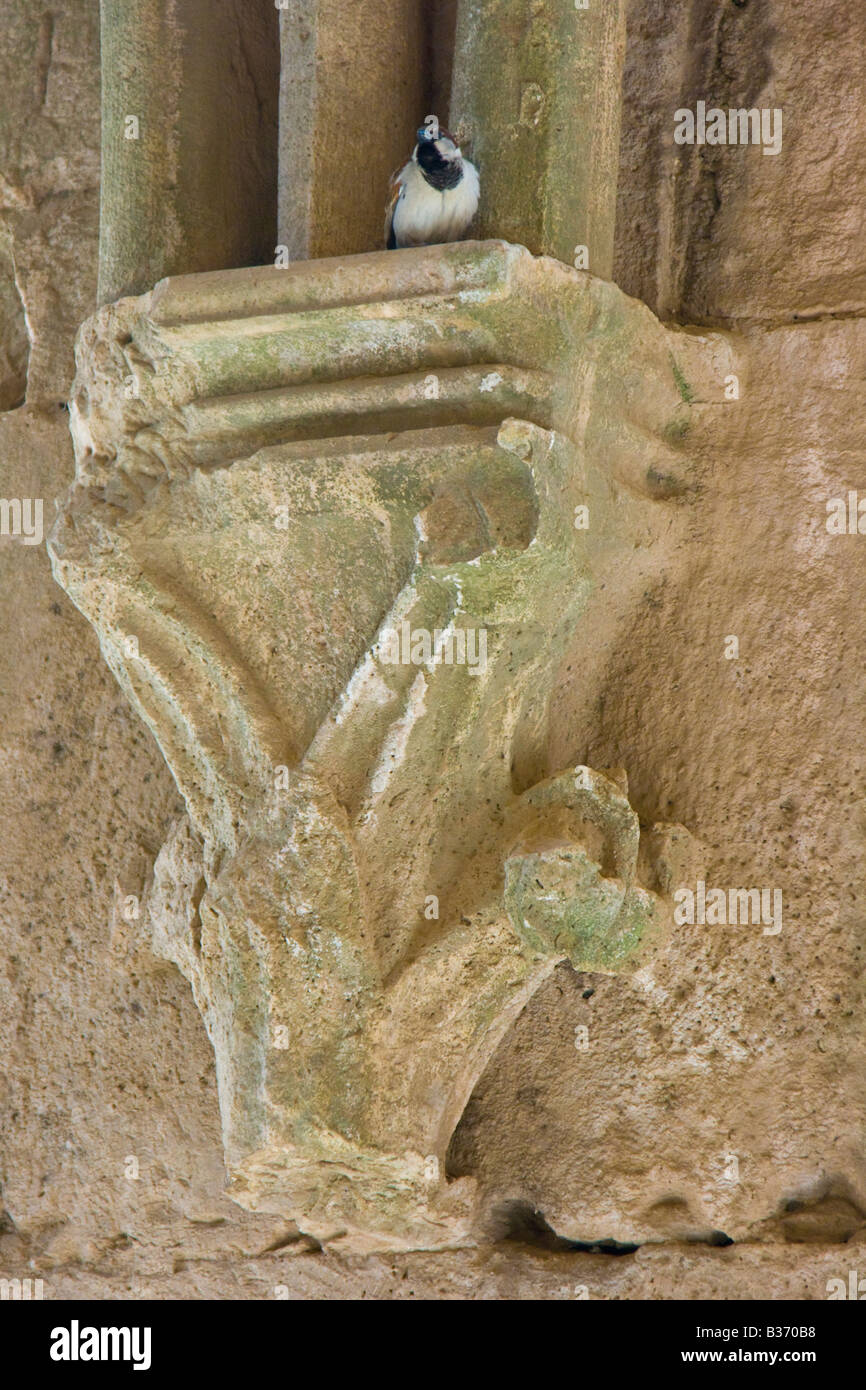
328,524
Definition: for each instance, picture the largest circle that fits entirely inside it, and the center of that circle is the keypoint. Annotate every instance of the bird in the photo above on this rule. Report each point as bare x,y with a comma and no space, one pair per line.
435,195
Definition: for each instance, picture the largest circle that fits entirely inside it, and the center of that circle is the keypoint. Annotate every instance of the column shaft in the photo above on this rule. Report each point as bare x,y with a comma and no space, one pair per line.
189,119
537,99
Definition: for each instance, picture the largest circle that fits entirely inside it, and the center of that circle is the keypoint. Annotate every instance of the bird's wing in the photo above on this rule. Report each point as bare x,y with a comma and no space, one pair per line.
397,186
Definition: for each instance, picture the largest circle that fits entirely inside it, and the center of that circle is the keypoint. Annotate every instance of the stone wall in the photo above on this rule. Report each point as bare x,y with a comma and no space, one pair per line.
733,1044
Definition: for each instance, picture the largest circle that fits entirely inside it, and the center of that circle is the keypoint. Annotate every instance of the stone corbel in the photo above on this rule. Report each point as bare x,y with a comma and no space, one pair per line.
284,480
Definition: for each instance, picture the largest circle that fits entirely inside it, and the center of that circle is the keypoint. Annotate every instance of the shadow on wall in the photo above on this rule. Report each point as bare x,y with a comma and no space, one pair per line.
680,52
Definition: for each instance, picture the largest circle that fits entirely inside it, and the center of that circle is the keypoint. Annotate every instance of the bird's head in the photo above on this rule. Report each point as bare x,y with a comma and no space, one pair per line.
432,137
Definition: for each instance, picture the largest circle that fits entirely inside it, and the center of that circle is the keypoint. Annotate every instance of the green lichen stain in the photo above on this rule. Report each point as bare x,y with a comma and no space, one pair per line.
676,430
682,385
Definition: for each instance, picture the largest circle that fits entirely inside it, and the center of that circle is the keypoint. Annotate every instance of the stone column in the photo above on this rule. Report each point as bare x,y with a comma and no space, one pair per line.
189,117
536,101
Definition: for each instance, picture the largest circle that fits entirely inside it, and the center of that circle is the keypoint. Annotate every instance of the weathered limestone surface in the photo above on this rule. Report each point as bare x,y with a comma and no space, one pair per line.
356,83
191,186
673,1270
251,646
732,1042
49,191
101,1057
15,347
537,99
718,233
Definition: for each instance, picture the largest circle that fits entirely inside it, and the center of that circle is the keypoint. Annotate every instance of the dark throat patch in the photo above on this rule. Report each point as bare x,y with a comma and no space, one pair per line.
440,173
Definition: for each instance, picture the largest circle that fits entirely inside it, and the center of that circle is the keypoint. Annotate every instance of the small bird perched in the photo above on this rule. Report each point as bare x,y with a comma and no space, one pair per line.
435,196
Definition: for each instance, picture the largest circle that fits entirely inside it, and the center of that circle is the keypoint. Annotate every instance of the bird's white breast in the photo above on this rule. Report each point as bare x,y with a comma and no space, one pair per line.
425,215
